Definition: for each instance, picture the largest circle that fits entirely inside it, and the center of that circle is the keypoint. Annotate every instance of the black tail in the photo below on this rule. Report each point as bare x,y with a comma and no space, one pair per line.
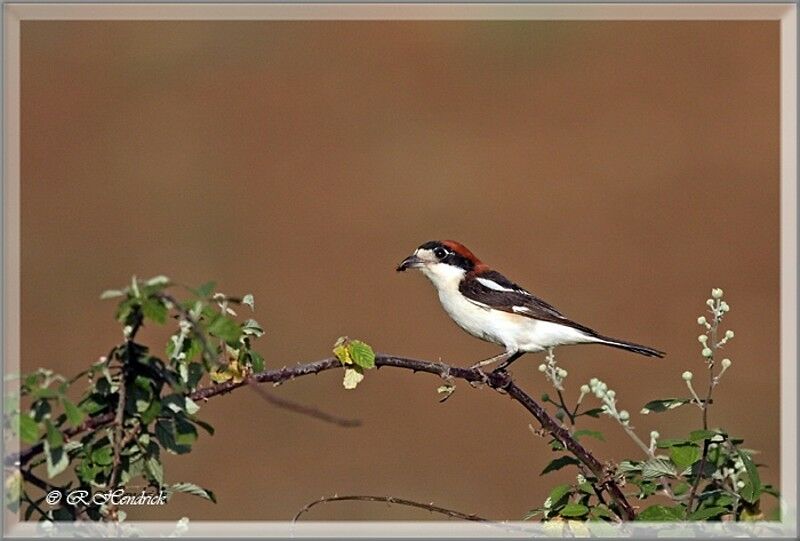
630,346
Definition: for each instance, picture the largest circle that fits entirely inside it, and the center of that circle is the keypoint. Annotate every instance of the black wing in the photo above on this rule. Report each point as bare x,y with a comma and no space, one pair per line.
493,290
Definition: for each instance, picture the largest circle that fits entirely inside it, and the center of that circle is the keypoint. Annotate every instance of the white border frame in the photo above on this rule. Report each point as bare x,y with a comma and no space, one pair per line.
13,14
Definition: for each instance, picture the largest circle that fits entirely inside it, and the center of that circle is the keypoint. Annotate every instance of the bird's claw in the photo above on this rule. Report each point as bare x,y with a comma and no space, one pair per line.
484,377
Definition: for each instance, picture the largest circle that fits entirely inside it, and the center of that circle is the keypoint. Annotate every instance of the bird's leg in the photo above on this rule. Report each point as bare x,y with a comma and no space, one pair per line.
491,360
510,359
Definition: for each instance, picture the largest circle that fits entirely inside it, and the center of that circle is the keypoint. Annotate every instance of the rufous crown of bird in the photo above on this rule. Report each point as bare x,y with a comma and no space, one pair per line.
491,307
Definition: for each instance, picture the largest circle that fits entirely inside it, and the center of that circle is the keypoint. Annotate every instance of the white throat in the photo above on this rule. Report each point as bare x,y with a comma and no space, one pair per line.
444,277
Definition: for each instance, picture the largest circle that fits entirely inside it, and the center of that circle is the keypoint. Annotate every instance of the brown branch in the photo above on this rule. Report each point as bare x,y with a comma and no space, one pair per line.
302,409
392,500
499,381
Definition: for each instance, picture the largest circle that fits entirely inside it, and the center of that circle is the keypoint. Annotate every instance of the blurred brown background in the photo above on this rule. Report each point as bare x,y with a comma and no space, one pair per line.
617,169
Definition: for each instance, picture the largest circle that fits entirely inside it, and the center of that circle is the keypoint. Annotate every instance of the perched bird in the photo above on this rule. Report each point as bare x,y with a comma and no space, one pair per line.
491,307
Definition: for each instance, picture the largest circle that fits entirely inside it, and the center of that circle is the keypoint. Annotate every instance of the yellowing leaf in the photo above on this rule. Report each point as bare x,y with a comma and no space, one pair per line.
234,371
352,377
342,350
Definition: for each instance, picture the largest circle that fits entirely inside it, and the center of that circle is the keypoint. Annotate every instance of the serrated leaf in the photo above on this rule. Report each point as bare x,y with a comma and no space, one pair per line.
28,429
54,437
558,463
111,294
191,488
707,513
660,513
684,455
103,456
362,354
573,510
352,377
592,433
658,467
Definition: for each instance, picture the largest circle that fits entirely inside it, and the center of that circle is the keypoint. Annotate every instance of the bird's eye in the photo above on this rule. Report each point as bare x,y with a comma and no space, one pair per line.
440,253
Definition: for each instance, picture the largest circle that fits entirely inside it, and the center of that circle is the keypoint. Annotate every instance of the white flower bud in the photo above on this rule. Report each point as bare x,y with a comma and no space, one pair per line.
594,381
687,376
611,393
654,435
624,415
598,392
724,306
740,484
716,293
562,373
729,334
726,363
702,338
585,389
710,302
701,320
707,352
542,367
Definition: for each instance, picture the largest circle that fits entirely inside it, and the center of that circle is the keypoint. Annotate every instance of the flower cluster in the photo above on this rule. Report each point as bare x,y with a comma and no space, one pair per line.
553,372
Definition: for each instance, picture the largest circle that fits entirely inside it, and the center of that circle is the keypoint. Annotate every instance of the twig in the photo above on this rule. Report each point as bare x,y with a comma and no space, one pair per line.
302,409
500,382
392,500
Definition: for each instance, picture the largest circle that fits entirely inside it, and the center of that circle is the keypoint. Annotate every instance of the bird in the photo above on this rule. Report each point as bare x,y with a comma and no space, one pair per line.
491,307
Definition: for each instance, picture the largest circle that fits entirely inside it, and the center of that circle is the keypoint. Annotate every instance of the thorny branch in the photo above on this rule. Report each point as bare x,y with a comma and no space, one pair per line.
499,381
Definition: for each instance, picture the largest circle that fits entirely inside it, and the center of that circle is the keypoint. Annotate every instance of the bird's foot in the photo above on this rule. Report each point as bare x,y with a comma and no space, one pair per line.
484,378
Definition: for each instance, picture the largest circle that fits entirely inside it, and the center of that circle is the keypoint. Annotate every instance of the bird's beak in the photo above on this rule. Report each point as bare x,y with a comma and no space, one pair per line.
411,262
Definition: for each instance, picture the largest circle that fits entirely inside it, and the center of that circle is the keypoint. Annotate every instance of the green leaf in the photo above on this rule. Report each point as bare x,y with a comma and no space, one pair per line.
558,463
225,328
54,436
362,354
574,510
664,404
708,512
684,455
699,435
111,294
660,513
75,415
206,289
155,310
594,412
103,456
191,488
352,376
666,443
752,489
557,496
592,433
341,351
155,470
658,467
256,361
28,429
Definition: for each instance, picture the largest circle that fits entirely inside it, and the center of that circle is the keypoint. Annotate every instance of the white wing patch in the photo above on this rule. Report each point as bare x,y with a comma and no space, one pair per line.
491,284
521,309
